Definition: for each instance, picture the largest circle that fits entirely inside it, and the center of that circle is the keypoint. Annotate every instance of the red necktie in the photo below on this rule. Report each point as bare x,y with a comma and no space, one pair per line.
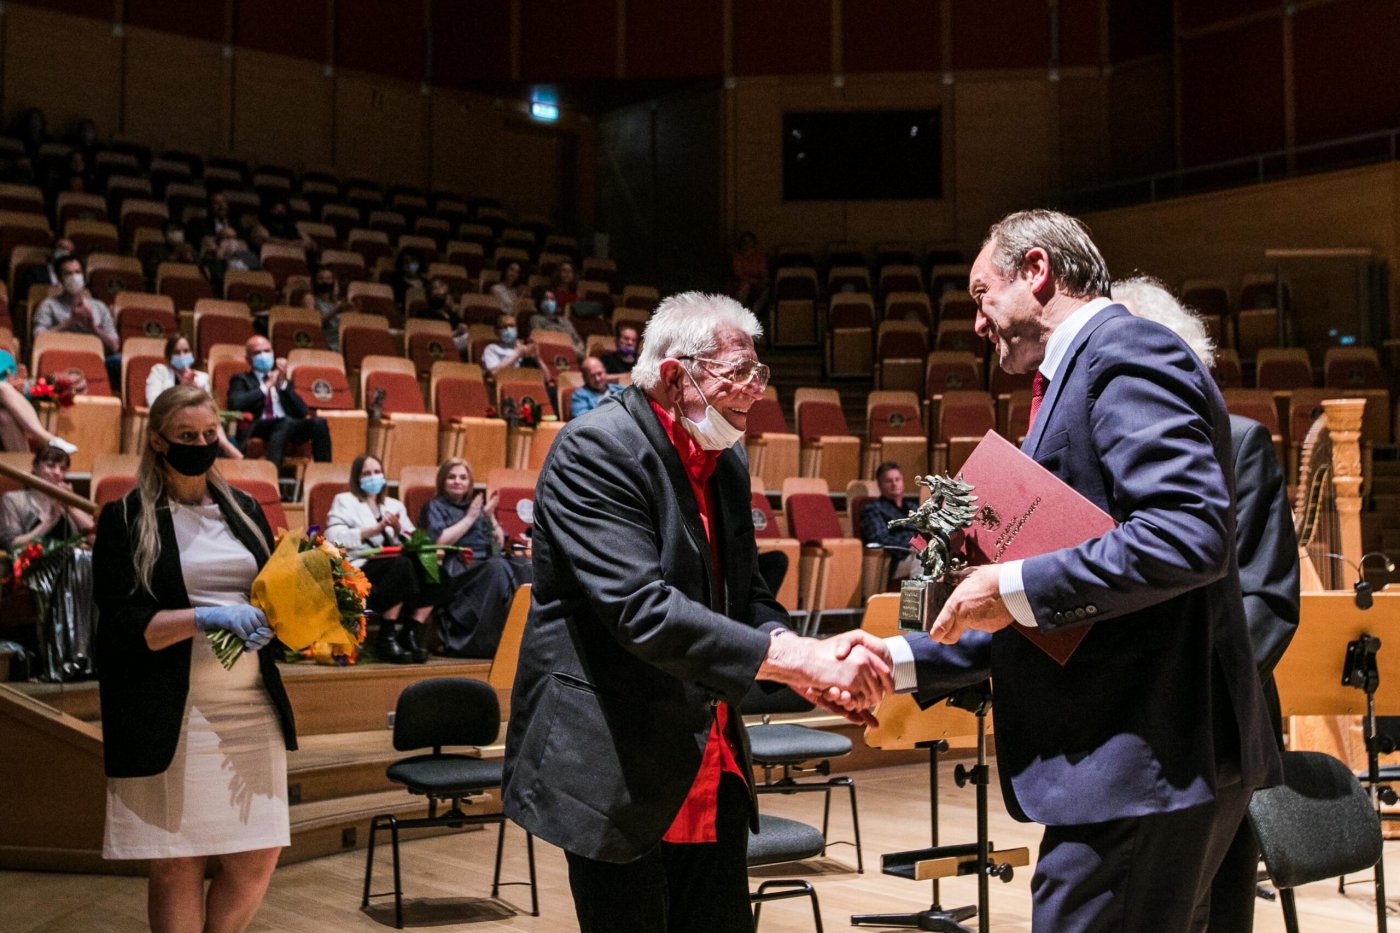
268,413
1038,386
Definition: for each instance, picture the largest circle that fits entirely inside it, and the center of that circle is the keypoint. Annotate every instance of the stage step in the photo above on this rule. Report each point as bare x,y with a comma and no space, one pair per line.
326,700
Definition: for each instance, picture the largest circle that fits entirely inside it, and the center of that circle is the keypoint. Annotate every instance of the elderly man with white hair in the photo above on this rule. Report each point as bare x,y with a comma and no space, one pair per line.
649,623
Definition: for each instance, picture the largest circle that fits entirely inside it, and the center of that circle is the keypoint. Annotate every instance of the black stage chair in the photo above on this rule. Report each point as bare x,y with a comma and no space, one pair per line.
1319,823
788,746
779,840
431,714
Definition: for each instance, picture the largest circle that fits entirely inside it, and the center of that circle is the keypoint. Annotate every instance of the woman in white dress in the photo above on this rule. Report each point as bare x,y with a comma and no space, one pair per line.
178,370
195,754
366,517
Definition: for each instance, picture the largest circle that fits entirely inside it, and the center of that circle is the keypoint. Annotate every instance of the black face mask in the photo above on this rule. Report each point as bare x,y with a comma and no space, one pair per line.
191,459
325,288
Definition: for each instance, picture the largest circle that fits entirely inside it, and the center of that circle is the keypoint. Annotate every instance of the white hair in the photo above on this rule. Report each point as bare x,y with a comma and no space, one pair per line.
688,324
1148,298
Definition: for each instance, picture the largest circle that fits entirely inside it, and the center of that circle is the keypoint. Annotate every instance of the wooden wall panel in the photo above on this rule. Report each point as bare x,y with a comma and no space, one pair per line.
104,10
40,48
1141,131
1232,101
891,35
529,178
204,20
1007,34
1006,150
1225,233
1344,60
468,153
1079,32
282,109
1137,29
294,29
1083,129
381,38
778,37
569,40
1196,13
471,42
176,92
661,44
379,128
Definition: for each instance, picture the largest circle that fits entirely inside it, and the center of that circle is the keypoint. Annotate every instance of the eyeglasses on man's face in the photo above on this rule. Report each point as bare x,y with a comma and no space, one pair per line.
749,374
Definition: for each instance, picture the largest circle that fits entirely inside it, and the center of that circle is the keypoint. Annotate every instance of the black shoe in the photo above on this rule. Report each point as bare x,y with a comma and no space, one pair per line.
386,645
408,641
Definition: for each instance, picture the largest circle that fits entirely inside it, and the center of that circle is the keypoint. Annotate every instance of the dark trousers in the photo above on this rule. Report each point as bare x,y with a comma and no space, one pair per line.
1232,893
1148,873
398,580
113,362
674,888
279,432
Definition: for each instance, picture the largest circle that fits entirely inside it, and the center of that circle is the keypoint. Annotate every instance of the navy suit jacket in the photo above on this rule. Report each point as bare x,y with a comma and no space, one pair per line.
1161,700
634,634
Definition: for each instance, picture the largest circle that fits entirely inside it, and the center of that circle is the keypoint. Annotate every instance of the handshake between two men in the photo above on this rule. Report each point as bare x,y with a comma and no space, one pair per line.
851,672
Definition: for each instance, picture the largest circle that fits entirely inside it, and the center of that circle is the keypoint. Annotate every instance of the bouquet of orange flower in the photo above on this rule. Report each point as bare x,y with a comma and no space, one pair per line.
310,594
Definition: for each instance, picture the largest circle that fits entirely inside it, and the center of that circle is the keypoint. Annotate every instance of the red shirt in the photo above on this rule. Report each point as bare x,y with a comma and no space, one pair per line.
696,820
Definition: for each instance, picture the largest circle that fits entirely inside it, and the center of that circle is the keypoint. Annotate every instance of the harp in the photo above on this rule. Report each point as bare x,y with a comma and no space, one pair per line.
1327,509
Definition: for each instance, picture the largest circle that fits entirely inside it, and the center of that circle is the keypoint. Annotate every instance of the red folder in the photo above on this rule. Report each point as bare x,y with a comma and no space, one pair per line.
1024,510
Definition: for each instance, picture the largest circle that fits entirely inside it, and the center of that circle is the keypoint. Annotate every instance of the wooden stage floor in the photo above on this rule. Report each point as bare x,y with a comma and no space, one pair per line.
447,878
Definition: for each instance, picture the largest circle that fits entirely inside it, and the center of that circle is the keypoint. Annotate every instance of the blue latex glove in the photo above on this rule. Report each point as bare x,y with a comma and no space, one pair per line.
244,621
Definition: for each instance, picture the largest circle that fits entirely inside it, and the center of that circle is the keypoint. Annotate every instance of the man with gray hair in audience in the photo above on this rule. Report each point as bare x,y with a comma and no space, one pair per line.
649,622
1268,555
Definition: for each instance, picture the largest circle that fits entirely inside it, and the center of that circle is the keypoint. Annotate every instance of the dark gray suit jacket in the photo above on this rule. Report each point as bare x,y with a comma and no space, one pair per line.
633,634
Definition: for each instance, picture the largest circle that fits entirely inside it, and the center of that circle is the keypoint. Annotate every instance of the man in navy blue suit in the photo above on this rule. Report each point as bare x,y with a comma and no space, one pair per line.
1140,753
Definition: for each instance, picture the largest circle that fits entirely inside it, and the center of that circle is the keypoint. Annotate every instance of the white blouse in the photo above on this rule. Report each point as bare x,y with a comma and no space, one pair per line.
162,377
349,513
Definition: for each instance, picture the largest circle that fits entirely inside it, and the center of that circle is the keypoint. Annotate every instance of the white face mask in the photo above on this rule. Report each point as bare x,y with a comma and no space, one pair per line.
73,283
712,432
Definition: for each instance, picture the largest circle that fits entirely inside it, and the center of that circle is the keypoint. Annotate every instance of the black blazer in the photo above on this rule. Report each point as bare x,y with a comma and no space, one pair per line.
245,394
633,635
143,691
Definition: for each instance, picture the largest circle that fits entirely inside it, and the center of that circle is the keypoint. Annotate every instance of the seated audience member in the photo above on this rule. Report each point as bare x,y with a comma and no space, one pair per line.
510,287
564,285
594,390
407,274
326,299
279,413
480,582
441,305
178,369
550,317
876,514
19,423
750,267
74,311
509,350
28,515
622,359
211,224
174,249
364,517
44,274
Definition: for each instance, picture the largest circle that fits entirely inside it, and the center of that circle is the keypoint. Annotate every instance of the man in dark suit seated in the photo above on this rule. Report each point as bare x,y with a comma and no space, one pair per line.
649,623
876,515
279,413
1140,752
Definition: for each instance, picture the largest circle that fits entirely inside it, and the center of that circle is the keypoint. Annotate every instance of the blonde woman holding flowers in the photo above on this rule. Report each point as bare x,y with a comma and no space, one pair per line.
195,754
